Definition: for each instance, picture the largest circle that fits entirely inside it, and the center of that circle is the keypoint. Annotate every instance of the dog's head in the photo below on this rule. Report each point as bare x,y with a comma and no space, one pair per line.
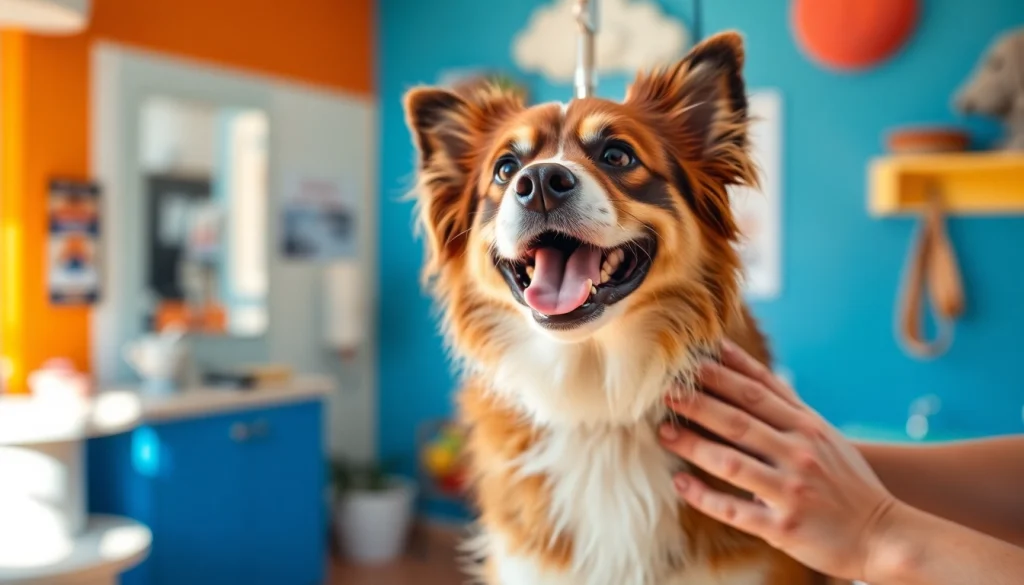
594,233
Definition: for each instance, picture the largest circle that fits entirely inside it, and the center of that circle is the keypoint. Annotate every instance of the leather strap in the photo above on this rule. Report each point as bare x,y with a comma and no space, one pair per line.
932,265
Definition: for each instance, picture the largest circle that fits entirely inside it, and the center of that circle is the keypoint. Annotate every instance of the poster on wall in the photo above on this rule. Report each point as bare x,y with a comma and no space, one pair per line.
73,276
318,218
758,212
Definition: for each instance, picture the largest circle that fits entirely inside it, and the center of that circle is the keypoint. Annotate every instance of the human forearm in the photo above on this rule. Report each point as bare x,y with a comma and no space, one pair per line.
817,497
975,483
917,548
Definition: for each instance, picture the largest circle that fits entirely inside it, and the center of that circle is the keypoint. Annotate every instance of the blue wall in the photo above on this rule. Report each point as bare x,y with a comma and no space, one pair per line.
832,326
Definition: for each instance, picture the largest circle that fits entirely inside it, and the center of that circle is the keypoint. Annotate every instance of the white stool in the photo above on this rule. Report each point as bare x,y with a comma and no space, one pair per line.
46,536
108,546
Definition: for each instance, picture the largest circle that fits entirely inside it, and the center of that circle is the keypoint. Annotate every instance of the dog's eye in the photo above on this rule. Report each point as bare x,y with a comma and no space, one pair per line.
616,156
504,170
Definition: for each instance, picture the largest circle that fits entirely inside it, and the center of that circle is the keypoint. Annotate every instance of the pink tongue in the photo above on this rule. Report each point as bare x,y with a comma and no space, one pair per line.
559,286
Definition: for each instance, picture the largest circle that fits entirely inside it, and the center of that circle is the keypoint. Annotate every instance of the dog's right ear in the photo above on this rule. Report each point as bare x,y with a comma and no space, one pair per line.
450,129
440,123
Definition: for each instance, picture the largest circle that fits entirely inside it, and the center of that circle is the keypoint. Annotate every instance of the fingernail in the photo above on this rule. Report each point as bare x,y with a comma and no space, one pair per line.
669,432
681,483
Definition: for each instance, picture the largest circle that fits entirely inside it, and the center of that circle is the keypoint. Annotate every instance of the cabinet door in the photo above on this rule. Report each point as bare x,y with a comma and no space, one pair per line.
283,522
197,499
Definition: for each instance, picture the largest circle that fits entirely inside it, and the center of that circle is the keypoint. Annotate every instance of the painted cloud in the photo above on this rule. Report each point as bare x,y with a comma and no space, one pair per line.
632,34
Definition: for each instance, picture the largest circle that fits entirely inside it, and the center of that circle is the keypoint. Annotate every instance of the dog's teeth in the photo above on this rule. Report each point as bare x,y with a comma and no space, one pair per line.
593,290
611,264
605,275
529,272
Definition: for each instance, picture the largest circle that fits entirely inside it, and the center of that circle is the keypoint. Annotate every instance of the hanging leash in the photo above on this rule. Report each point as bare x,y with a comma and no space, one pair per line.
932,266
585,12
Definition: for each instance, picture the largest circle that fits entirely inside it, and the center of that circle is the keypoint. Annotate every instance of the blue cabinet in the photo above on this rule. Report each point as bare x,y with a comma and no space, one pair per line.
233,498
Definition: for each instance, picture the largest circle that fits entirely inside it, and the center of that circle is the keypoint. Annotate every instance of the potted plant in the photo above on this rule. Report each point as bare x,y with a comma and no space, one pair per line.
373,511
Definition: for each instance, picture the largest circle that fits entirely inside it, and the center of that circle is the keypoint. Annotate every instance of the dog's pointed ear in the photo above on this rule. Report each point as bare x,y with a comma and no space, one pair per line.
701,105
449,129
440,124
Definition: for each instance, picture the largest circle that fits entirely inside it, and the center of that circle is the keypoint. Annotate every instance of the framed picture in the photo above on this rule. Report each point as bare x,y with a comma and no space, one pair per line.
318,219
73,225
759,212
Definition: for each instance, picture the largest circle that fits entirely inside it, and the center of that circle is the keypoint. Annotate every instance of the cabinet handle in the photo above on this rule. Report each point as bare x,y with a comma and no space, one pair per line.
239,432
260,428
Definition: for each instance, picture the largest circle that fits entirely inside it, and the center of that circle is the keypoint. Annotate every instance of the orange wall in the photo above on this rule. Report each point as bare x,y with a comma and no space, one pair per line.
46,121
327,42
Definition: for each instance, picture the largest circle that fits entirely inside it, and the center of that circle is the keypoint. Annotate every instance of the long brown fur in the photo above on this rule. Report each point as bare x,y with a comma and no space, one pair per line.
688,123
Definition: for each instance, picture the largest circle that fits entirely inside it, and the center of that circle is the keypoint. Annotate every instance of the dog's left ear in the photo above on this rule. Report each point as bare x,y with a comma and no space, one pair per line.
700,107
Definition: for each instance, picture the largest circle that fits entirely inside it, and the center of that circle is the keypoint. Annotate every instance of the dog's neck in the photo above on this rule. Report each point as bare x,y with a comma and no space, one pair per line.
618,378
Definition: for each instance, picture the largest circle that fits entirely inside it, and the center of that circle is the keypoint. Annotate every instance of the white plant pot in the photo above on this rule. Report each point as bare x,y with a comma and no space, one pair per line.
373,526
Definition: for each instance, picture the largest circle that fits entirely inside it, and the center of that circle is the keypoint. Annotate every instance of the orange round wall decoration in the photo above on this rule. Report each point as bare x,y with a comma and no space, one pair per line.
852,34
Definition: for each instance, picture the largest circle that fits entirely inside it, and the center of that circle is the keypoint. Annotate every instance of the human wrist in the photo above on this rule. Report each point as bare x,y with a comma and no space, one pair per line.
894,550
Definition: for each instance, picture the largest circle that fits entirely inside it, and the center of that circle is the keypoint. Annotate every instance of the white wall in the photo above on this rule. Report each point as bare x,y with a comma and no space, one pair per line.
320,136
314,132
178,135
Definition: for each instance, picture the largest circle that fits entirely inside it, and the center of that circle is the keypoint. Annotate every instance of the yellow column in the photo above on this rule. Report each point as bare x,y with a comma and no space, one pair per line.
12,234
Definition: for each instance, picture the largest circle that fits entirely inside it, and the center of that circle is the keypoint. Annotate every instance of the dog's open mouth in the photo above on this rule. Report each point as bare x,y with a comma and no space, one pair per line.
568,282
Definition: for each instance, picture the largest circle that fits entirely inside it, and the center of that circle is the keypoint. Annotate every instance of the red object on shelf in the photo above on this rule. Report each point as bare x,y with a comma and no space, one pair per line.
852,34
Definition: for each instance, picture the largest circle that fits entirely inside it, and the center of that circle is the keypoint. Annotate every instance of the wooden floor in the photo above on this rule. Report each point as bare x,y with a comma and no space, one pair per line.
431,563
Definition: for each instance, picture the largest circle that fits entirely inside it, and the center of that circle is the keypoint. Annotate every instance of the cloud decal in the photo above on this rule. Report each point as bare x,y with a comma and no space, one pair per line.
632,35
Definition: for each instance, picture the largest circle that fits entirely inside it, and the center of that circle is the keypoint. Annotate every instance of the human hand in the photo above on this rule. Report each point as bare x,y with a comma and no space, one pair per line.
817,499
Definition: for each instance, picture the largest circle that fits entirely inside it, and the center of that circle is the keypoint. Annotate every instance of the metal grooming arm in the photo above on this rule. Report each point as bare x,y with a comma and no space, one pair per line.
586,17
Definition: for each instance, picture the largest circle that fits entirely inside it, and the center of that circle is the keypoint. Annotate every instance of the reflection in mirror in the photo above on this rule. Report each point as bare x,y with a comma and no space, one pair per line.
204,184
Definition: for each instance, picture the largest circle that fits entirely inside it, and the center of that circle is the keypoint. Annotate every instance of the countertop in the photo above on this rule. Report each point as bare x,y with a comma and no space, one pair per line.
25,420
198,401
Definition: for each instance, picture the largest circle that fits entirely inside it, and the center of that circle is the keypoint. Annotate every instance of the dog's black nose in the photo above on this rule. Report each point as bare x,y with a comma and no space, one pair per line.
543,187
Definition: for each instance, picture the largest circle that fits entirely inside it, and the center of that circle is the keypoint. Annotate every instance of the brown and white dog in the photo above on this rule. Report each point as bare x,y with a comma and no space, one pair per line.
583,256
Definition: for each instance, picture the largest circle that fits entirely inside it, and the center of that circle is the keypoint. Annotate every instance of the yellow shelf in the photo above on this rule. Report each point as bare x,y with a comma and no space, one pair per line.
969,183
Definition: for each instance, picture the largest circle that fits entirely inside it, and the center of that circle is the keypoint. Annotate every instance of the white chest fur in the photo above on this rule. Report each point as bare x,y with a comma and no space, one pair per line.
611,481
611,491
519,571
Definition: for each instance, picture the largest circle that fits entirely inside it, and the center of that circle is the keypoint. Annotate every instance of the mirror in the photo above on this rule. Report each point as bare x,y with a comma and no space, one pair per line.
204,189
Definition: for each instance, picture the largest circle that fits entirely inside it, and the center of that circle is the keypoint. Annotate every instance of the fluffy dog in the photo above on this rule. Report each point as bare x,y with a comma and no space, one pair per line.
583,258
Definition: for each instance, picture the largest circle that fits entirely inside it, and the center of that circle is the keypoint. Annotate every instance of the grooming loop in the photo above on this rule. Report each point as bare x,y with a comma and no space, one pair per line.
585,12
932,270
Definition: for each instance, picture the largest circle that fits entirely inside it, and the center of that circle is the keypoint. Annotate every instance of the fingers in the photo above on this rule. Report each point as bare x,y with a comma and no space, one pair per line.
744,515
726,463
732,424
749,394
733,357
